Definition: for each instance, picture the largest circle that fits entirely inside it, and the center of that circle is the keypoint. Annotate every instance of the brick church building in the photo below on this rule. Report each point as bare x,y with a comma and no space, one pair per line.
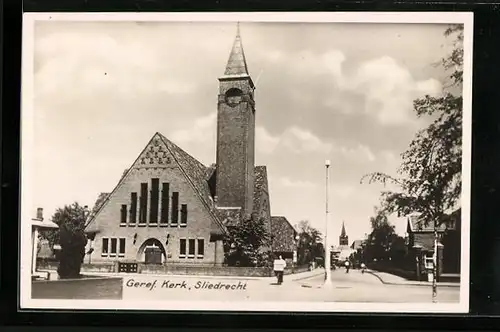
170,208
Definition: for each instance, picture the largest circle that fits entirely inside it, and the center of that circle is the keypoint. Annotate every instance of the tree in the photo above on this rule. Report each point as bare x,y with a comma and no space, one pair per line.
383,244
71,237
309,244
244,242
429,178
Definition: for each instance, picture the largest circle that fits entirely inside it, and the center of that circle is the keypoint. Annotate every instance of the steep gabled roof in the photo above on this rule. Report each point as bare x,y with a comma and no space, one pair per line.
280,233
417,224
194,171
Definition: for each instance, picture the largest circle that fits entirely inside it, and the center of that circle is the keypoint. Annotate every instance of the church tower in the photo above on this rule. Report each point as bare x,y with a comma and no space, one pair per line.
343,238
236,133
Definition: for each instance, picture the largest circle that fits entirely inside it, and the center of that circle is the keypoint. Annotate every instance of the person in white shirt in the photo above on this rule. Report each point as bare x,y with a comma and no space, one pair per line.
279,269
363,267
346,266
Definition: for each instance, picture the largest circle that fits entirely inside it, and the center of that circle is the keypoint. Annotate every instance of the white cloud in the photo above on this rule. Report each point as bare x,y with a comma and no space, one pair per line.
293,139
342,190
359,152
202,128
287,182
310,64
387,85
390,89
333,61
265,142
299,140
199,140
274,56
431,87
81,64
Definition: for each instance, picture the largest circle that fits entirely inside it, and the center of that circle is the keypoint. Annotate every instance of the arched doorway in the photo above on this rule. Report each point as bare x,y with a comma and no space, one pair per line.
152,252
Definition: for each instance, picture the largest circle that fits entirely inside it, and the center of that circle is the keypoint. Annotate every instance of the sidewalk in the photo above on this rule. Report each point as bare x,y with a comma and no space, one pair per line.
306,275
391,279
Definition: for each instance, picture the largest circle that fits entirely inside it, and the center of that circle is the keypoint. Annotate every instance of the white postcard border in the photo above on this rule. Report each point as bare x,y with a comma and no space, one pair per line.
27,145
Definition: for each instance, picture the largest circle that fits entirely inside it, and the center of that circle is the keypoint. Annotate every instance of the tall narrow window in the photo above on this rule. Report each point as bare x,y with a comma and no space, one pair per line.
143,201
121,251
113,246
191,248
105,245
175,208
164,203
133,208
123,215
182,248
153,210
184,215
201,248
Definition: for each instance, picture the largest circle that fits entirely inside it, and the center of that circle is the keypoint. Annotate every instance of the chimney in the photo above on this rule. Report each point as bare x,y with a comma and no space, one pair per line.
39,213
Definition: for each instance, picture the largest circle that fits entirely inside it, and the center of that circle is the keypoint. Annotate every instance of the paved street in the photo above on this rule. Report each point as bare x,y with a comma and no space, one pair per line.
89,289
351,287
365,287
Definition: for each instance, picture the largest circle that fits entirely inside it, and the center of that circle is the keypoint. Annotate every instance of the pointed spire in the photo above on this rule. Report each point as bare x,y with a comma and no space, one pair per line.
237,64
343,233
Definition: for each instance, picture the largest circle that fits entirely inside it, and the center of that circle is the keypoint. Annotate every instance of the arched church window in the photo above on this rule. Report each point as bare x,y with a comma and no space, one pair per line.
233,96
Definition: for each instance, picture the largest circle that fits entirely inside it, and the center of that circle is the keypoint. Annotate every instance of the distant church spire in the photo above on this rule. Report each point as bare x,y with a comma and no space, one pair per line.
343,233
343,238
237,64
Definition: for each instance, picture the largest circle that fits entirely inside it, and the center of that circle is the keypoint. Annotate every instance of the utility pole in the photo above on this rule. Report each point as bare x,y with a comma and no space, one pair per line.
328,279
434,264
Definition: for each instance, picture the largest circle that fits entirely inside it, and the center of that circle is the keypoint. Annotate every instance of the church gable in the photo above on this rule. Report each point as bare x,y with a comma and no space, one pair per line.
162,185
283,235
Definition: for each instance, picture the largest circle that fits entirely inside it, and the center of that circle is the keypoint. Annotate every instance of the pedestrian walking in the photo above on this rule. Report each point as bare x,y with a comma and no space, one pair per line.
279,269
363,267
347,266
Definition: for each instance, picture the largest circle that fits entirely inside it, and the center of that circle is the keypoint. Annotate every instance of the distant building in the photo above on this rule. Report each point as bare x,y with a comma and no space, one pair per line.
357,244
343,238
283,236
342,251
420,243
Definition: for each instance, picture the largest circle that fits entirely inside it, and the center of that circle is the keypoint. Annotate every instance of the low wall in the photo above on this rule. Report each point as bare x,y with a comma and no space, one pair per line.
207,270
106,268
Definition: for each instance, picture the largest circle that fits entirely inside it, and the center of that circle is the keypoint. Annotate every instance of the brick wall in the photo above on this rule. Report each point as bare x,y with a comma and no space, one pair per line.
235,148
206,270
180,269
199,222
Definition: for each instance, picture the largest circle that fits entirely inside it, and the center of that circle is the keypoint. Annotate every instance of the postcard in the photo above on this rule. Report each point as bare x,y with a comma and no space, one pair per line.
315,162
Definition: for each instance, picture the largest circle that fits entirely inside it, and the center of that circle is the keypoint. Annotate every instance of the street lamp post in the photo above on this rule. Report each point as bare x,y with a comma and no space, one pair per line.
328,279
434,265
295,252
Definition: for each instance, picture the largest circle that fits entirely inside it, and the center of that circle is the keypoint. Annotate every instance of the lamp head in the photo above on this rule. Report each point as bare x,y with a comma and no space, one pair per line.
327,163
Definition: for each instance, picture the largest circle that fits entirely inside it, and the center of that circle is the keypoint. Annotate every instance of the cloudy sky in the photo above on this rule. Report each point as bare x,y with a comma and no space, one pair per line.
324,91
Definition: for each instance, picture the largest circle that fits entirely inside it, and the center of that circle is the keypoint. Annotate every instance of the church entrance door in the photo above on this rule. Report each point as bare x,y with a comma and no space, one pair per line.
152,255
151,251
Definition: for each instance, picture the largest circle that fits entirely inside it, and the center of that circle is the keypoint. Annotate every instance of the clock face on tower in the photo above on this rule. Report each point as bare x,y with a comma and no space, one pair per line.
233,97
